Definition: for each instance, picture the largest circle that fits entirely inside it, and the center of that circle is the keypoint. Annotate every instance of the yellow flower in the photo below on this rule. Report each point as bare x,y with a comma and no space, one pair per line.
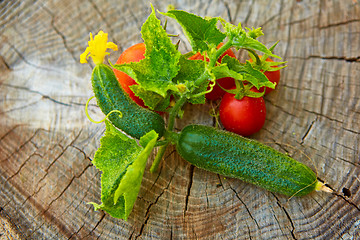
97,48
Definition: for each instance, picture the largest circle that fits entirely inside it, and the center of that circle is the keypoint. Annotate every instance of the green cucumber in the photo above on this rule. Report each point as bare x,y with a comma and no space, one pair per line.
231,155
136,121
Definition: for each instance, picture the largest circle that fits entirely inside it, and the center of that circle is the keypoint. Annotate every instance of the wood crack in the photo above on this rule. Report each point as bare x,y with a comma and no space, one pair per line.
21,146
9,132
338,24
246,207
339,58
58,32
191,176
228,12
307,131
21,107
99,12
147,213
289,33
4,64
132,234
344,198
292,231
22,165
44,96
62,153
45,211
96,225
22,57
248,14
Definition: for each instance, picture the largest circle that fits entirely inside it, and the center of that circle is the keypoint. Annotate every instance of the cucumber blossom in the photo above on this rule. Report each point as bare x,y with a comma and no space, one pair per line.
234,156
136,121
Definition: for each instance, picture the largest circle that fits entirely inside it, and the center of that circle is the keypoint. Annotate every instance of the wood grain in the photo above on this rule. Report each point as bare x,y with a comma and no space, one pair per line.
47,144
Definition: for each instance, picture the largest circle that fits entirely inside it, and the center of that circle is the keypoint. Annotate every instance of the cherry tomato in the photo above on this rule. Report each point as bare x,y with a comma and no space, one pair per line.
273,76
134,53
226,82
245,116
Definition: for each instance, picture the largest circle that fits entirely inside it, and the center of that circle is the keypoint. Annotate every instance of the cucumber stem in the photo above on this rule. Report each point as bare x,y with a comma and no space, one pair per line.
175,110
321,187
173,113
158,158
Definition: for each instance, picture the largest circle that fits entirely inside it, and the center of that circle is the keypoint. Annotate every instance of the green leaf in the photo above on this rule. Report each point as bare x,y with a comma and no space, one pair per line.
254,33
266,66
249,73
222,71
122,162
200,32
246,40
160,65
151,99
190,71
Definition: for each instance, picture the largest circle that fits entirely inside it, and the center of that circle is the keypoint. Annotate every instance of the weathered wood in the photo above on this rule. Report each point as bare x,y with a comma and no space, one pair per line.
46,142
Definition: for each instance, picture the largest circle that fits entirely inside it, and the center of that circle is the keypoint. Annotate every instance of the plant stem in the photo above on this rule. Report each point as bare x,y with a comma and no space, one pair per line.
173,113
220,51
240,90
212,62
158,158
258,61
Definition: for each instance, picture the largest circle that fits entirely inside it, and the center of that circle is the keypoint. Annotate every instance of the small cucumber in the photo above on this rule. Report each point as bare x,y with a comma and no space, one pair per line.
234,156
136,121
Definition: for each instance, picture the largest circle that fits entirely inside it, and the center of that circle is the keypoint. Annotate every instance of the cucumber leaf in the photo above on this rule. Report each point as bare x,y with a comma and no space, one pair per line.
151,99
160,65
190,71
201,32
122,162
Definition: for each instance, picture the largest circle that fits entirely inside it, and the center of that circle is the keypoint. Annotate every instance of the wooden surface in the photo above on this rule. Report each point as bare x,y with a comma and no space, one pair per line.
47,143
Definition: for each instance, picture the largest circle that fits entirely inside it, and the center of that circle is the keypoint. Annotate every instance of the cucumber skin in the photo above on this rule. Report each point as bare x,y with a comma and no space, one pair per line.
234,156
136,121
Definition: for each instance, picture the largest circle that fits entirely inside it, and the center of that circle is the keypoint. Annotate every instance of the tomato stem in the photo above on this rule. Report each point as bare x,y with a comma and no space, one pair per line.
220,51
240,90
258,60
212,61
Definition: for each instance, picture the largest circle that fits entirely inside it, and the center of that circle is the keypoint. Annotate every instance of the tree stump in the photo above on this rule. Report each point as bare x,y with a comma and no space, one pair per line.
47,143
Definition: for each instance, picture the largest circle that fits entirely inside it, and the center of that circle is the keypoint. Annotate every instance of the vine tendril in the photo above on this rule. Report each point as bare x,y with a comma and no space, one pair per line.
211,85
106,117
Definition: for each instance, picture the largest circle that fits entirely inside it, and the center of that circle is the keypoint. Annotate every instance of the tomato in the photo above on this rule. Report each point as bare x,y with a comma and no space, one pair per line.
134,53
273,76
245,116
226,82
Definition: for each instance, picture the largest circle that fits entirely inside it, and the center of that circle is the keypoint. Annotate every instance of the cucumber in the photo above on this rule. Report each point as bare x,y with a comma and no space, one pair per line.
136,121
231,155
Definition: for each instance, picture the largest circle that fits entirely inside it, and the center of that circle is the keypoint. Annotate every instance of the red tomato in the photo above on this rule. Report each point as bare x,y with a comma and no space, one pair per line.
273,76
134,53
245,116
226,82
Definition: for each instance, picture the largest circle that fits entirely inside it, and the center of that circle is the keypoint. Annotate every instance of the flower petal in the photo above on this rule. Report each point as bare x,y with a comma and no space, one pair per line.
83,56
97,48
112,46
